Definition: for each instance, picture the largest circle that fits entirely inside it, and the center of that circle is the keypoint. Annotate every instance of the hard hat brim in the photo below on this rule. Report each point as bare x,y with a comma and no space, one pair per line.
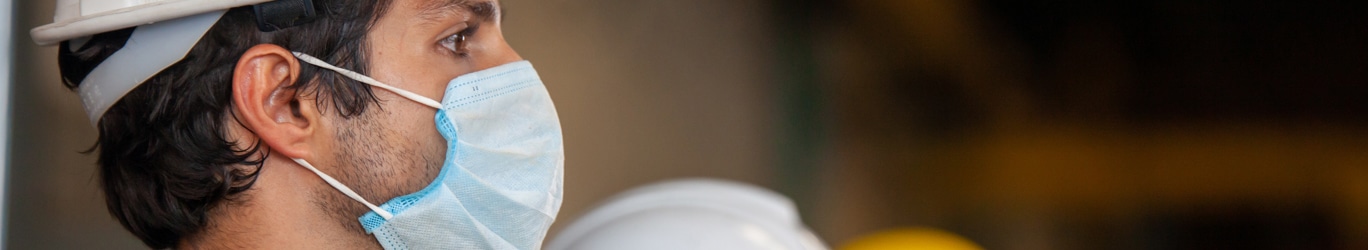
128,17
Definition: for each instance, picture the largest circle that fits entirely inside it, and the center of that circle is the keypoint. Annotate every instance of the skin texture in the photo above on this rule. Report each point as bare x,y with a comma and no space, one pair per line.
388,151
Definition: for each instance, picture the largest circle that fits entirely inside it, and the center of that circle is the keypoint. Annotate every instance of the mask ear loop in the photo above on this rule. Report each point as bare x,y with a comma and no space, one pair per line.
371,81
366,79
343,188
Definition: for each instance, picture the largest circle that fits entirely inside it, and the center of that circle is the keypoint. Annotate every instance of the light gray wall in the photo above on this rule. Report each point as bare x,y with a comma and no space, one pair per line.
647,90
7,23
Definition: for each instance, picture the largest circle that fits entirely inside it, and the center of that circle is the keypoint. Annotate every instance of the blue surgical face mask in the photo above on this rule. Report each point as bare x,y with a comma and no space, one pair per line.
500,185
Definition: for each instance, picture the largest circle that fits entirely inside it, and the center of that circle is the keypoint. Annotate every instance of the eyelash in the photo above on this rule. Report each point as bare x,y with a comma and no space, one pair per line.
456,43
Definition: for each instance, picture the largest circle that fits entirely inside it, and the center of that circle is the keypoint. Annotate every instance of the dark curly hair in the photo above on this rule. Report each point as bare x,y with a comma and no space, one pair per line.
164,160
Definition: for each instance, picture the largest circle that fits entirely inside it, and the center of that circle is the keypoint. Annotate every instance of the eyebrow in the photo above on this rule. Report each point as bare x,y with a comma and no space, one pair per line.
482,9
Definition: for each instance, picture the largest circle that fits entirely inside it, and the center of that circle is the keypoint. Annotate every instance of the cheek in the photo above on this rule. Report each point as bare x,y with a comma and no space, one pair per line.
423,74
421,142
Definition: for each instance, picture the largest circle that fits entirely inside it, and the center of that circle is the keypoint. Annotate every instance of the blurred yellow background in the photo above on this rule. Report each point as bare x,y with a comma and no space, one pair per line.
1064,124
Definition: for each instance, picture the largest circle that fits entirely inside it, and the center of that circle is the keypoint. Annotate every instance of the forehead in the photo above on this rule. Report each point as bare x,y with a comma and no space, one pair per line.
425,8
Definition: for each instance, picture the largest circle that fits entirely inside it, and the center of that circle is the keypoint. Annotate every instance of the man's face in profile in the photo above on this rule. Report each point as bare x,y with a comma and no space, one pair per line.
395,149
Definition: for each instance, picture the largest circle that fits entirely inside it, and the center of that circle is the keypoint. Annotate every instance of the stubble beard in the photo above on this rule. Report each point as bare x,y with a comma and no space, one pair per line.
377,164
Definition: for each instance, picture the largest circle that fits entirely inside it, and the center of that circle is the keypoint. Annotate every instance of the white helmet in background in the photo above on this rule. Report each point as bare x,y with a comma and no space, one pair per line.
691,214
166,31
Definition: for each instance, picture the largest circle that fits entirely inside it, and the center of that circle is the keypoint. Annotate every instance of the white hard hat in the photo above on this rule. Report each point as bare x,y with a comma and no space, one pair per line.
80,18
166,31
691,214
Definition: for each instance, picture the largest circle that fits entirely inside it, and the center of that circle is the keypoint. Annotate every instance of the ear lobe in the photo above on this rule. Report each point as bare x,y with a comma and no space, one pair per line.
267,104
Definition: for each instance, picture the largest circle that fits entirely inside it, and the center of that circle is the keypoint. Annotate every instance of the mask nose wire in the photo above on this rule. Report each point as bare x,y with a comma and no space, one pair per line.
343,188
366,79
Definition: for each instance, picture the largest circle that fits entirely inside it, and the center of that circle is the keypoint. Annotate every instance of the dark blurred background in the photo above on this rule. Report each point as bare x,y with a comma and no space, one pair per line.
1067,124
1048,124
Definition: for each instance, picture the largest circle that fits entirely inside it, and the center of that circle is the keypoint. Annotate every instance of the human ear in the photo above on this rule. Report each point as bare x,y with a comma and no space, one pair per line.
266,103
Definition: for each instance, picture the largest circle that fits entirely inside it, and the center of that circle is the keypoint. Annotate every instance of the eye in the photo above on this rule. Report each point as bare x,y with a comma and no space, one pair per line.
456,43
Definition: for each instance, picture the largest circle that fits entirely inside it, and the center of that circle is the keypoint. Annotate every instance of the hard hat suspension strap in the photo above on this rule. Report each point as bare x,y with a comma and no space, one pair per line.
281,14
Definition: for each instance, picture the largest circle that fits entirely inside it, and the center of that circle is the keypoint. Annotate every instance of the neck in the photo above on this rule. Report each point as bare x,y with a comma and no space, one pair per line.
280,211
